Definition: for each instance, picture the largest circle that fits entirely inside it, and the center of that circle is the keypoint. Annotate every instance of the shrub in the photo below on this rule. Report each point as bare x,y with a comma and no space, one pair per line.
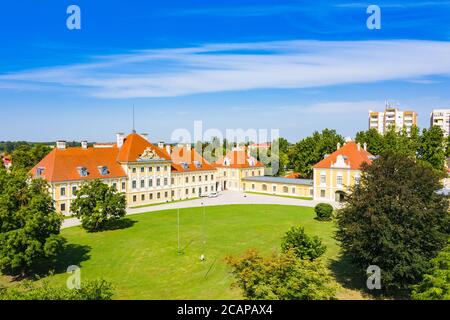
324,211
90,290
281,277
436,282
302,245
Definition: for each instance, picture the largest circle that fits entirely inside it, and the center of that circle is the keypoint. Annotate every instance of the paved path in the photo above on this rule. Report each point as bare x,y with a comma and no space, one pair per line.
224,198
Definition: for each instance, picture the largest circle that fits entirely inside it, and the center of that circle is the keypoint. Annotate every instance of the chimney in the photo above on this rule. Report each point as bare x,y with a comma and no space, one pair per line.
168,149
161,145
365,146
358,146
338,145
145,136
61,144
84,144
119,139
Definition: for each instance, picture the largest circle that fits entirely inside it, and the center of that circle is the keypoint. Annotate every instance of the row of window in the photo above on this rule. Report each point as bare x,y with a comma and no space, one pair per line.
62,190
285,189
172,193
150,183
323,179
150,169
246,173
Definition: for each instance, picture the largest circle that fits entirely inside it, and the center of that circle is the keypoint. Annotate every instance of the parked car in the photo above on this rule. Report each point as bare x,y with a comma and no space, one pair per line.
213,195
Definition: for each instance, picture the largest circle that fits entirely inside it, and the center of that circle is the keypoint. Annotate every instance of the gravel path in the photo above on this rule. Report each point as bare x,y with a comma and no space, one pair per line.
224,198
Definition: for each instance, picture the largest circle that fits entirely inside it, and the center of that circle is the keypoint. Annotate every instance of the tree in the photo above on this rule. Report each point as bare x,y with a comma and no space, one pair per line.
436,281
26,156
281,277
307,152
432,147
373,139
96,204
302,245
394,219
90,290
29,224
324,211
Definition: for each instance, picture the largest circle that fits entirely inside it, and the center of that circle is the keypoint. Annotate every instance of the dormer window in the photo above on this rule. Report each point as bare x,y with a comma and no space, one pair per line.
103,170
197,164
83,171
39,171
226,161
184,165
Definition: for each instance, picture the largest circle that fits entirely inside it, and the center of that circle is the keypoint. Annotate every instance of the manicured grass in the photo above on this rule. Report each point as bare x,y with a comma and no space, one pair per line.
158,204
142,262
278,195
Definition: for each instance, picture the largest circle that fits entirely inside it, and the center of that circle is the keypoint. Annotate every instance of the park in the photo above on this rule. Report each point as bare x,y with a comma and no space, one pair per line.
140,258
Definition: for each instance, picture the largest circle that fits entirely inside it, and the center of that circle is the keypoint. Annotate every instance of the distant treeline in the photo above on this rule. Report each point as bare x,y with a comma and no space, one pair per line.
8,147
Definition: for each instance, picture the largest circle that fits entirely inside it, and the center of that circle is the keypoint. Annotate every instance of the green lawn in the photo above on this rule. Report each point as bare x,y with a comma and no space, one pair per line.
141,260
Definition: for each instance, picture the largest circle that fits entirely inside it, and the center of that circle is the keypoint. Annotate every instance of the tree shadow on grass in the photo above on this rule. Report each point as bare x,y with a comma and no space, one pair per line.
117,224
347,274
351,277
73,254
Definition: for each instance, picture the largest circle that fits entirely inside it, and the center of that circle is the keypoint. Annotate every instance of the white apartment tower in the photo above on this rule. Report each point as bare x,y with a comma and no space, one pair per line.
392,117
441,118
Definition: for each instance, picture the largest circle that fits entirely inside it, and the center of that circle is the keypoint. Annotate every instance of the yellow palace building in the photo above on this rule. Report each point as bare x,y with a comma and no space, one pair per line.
339,171
145,172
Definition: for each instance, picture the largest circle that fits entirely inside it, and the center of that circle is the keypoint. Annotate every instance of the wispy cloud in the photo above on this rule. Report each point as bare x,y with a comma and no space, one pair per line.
244,66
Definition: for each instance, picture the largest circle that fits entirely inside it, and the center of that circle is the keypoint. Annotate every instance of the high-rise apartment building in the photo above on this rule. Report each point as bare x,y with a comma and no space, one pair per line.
392,117
441,118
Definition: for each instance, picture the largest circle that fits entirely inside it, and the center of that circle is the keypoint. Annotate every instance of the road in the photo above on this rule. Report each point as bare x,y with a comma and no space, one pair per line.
224,198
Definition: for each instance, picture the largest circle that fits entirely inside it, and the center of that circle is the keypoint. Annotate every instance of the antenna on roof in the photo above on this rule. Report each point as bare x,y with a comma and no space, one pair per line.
134,128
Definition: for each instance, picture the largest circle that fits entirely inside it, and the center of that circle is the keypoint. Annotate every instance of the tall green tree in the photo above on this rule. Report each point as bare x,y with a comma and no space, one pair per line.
96,204
373,139
307,152
395,219
432,147
29,224
27,156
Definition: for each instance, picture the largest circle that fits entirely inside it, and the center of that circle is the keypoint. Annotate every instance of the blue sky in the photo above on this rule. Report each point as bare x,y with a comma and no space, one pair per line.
296,66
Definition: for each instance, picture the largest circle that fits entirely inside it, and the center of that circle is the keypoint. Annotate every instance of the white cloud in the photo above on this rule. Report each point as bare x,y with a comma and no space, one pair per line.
245,66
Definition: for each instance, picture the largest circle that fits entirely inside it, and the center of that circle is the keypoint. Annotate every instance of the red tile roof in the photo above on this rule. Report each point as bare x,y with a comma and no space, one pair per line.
64,164
238,159
181,154
352,157
134,146
293,175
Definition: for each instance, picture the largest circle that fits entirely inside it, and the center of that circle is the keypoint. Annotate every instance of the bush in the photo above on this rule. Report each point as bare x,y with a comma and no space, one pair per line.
436,282
90,290
281,277
302,245
324,211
